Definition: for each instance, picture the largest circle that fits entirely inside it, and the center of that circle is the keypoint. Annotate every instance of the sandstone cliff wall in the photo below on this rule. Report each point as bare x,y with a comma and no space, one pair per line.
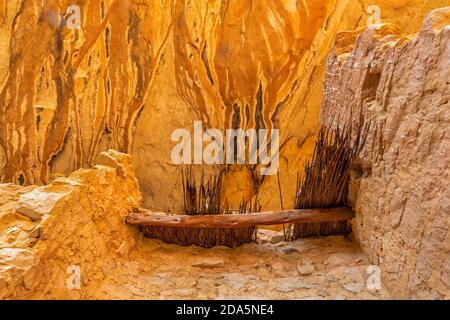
137,70
75,222
400,189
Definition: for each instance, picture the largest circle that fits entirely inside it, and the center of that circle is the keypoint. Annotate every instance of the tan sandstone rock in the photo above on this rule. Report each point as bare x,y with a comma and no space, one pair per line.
400,187
43,200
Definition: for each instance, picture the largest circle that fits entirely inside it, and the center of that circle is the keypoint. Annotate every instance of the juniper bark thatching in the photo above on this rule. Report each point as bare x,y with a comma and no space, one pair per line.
204,198
324,183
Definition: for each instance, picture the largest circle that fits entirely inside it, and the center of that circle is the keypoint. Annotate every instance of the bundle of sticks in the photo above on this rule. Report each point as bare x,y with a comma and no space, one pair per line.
324,183
203,196
320,200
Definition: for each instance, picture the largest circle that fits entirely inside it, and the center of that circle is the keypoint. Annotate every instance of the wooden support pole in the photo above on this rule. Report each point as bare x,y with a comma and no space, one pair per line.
241,220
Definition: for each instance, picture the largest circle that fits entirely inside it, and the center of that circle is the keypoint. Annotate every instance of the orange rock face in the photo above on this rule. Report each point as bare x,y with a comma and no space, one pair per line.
134,71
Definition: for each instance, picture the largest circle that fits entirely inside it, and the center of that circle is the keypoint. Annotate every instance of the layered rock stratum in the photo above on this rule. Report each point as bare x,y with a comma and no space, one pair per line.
75,221
400,188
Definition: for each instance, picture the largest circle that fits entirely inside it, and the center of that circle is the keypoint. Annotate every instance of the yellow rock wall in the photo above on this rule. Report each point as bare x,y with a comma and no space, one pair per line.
76,221
137,70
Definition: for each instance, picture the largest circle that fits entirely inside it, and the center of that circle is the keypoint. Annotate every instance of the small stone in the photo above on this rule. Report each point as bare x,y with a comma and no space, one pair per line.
43,201
115,159
306,270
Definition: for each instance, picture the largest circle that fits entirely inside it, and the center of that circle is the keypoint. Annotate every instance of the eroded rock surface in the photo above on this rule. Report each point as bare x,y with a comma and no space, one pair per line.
400,190
75,221
253,271
136,70
86,235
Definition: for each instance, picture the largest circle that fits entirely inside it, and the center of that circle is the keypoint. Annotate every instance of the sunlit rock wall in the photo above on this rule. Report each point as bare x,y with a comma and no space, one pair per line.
75,222
137,70
400,190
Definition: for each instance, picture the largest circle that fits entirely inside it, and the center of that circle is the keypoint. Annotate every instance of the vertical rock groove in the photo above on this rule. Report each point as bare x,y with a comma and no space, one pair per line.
136,70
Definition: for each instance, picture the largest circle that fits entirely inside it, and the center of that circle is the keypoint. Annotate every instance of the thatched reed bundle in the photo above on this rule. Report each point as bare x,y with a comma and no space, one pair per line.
324,183
204,197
